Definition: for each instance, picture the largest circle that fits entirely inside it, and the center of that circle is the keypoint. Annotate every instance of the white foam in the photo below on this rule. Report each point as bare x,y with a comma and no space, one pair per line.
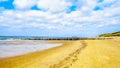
8,49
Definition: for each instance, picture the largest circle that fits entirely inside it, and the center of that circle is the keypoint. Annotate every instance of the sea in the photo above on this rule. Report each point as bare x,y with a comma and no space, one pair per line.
9,46
22,37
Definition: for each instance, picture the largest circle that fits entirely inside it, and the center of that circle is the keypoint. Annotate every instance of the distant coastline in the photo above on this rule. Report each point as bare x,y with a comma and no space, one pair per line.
102,36
51,38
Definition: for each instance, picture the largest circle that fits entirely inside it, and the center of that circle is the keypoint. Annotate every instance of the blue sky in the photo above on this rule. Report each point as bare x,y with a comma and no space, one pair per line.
63,18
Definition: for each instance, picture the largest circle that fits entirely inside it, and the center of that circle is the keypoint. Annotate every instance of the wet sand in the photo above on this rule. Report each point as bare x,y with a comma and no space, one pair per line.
9,48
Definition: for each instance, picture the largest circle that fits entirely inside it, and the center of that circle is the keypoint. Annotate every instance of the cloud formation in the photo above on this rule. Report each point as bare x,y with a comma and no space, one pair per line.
53,14
24,4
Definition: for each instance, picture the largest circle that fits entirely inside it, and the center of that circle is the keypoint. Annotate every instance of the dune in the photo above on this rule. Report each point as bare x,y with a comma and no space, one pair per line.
72,54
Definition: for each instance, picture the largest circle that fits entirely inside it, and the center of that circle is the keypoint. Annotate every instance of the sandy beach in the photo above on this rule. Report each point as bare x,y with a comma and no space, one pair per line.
59,33
72,54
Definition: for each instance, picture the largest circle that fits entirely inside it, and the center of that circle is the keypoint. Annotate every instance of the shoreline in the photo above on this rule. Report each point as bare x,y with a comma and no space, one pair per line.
21,47
74,54
39,57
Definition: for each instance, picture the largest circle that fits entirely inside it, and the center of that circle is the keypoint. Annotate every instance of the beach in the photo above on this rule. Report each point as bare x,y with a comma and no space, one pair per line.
70,54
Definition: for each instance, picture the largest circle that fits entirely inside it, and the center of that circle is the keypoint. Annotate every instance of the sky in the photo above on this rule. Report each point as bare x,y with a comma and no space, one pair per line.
59,18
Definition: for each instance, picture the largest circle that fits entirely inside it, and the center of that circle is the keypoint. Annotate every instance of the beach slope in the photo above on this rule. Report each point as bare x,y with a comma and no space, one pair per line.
43,59
73,54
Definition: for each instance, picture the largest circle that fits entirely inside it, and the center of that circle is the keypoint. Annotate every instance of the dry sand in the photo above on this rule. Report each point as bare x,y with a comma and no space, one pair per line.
74,54
99,54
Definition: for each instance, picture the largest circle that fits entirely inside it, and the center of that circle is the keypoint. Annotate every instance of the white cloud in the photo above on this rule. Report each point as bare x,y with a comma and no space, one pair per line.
41,25
86,5
53,5
82,18
108,1
49,5
24,4
26,19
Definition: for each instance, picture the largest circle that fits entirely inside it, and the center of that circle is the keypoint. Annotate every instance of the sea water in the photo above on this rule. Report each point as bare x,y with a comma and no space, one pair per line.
9,48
